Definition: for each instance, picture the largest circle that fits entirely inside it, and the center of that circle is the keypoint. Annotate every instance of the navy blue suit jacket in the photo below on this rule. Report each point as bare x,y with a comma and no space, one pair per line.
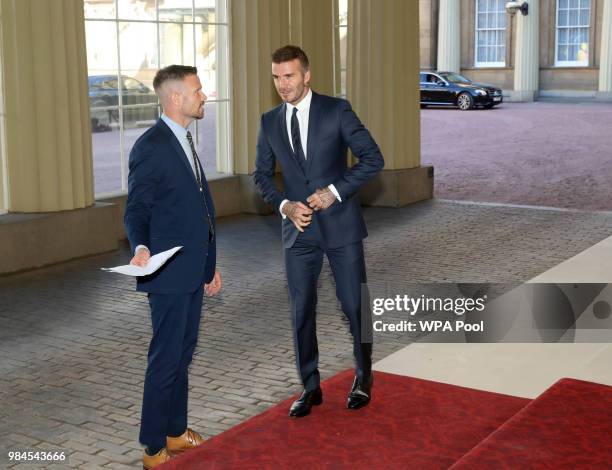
165,208
333,127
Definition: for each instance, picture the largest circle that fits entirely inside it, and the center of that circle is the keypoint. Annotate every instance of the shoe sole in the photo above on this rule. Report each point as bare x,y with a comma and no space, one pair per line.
144,467
174,453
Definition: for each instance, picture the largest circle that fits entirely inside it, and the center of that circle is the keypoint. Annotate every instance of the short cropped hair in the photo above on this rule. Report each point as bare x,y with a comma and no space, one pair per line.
289,52
172,72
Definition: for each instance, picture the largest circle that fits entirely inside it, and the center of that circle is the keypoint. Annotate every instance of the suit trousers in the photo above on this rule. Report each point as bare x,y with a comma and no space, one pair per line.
176,323
303,263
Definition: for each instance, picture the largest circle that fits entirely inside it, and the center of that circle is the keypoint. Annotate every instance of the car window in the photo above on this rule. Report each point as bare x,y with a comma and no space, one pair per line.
132,84
102,83
109,84
456,78
426,78
94,84
422,77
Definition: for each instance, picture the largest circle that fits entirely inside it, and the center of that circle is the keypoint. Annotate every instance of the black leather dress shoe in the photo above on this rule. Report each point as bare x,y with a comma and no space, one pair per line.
360,394
308,399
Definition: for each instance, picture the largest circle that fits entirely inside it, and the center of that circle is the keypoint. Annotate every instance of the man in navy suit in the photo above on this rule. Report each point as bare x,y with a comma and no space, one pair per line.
169,204
309,135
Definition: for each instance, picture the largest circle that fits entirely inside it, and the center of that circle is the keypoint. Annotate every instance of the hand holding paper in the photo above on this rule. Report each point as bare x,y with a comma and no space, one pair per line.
155,262
141,256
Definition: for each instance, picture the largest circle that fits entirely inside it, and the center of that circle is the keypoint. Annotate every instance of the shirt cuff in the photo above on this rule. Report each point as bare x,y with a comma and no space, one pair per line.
141,246
280,208
333,189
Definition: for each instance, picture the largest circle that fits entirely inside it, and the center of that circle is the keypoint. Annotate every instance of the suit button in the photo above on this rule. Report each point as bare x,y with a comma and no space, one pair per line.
307,181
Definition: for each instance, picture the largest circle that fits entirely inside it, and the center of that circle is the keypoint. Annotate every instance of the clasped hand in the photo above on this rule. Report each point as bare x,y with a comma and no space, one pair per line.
301,215
321,199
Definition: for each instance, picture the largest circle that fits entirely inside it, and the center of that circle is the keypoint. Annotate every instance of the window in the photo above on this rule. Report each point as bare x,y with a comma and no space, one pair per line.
430,79
342,32
127,42
490,33
573,20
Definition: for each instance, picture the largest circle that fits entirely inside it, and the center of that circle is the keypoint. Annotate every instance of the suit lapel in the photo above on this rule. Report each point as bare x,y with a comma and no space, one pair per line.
313,121
178,150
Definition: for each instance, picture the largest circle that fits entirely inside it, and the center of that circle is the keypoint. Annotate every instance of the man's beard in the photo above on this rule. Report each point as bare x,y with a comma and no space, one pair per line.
199,114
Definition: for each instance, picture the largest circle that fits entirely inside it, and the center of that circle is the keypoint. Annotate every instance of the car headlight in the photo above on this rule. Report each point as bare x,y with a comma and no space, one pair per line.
481,92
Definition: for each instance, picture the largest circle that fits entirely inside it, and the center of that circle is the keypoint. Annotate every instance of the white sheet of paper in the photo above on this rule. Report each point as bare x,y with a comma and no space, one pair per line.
155,262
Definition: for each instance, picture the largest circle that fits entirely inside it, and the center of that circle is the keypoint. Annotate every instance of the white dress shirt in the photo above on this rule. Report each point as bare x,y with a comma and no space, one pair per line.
303,113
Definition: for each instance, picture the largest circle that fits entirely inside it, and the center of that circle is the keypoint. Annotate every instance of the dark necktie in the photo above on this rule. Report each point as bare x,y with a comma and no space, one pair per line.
295,137
196,165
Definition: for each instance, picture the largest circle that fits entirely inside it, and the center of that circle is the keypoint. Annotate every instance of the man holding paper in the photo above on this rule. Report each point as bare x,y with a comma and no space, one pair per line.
169,204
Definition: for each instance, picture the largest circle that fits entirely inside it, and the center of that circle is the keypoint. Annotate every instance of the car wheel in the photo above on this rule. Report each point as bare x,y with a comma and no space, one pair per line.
465,101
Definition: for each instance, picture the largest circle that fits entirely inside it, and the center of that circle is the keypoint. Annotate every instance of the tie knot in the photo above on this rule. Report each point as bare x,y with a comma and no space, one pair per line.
295,110
189,139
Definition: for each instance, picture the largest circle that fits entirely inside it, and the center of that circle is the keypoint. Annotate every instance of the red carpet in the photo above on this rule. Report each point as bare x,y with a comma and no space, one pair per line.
569,426
410,424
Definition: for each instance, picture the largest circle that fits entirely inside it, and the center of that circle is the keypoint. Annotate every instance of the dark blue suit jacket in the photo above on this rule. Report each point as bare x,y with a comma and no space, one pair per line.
165,209
333,127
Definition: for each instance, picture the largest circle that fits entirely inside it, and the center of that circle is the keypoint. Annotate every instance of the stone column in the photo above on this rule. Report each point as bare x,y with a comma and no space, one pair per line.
383,87
605,62
47,136
3,172
258,28
526,58
449,38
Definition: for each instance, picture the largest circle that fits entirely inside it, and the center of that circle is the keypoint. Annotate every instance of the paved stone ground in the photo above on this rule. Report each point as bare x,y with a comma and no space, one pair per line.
543,153
73,339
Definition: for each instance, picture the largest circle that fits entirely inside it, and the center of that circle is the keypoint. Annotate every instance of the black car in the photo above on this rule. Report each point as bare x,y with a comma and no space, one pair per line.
452,89
140,106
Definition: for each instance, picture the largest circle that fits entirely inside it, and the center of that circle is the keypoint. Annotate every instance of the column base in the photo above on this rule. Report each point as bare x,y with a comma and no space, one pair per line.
250,199
398,188
603,96
521,96
225,192
54,237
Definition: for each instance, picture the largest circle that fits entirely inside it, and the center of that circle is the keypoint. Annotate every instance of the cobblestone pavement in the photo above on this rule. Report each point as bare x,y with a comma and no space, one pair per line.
73,339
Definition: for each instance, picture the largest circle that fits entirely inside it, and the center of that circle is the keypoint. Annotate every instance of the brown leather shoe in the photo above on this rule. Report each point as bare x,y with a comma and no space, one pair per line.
151,461
188,440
